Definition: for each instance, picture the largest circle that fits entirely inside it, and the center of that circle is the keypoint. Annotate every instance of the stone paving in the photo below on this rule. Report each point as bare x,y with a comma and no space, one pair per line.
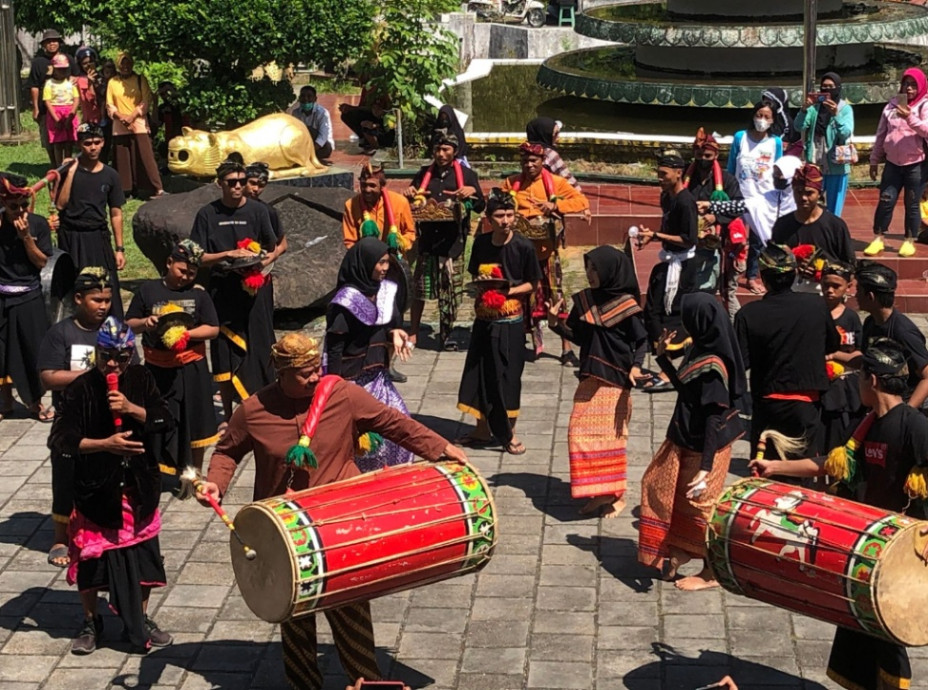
563,603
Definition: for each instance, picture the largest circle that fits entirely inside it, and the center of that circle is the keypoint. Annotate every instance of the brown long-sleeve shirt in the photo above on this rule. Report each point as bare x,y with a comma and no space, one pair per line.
269,423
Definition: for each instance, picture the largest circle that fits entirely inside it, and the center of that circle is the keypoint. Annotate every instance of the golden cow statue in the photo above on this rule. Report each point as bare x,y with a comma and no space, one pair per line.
280,140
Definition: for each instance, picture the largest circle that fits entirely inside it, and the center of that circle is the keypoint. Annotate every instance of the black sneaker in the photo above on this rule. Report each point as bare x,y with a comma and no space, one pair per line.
86,640
396,376
156,635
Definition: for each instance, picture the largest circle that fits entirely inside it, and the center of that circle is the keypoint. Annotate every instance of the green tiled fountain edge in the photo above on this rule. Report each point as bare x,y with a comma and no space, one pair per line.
555,75
911,22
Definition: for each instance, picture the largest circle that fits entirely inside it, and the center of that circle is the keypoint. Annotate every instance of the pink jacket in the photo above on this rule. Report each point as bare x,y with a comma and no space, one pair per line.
899,140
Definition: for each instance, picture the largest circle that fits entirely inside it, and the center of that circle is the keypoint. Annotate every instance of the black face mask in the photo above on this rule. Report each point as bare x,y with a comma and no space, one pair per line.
702,165
780,183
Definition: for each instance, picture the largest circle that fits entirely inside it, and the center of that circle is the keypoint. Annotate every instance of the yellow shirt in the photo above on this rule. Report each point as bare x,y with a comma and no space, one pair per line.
123,96
569,200
62,92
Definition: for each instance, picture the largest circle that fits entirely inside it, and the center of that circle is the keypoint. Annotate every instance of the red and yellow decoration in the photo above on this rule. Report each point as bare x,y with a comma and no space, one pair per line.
419,198
834,369
492,304
810,259
175,338
300,455
252,279
369,227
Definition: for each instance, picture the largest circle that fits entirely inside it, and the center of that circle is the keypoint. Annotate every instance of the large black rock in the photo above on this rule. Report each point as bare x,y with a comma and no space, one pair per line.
311,217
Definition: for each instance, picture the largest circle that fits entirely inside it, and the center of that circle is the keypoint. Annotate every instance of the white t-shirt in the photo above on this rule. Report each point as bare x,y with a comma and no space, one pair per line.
754,165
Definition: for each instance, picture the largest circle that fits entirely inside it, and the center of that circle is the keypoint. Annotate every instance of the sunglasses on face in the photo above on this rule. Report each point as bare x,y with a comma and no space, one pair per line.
118,356
236,182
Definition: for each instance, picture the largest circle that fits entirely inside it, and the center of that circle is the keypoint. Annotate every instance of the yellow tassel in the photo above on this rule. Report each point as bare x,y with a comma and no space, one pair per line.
836,463
485,270
169,308
915,484
173,335
364,444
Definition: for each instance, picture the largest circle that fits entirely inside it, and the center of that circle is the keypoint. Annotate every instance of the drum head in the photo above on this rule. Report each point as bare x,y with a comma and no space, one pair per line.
268,582
57,279
900,584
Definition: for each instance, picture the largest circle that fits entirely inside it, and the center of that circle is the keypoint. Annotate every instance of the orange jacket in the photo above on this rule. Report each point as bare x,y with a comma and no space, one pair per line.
569,199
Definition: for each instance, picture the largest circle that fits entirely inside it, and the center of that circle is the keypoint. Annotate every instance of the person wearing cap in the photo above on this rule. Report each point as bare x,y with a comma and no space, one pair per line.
882,465
751,158
440,249
268,424
128,102
62,101
90,86
25,245
175,352
317,120
67,351
240,356
676,273
876,294
542,195
785,339
109,437
378,212
39,73
810,223
491,384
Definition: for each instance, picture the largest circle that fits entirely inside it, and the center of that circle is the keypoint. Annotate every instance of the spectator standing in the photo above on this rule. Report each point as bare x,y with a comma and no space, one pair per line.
827,122
128,100
317,121
61,99
900,145
91,87
39,73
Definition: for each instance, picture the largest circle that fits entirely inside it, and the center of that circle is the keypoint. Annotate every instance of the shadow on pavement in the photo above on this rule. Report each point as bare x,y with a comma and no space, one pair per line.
675,670
236,664
19,528
618,556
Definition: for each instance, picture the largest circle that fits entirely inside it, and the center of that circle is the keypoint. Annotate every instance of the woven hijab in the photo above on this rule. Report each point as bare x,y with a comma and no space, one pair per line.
710,328
359,263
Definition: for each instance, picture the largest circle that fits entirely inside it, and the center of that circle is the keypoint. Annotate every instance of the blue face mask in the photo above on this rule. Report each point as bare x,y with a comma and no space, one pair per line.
307,107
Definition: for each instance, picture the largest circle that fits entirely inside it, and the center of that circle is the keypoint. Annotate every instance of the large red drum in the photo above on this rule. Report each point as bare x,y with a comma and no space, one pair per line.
378,533
836,560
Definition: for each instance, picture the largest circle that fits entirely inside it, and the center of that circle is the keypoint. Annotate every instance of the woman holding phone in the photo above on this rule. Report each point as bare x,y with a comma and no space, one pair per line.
826,122
900,145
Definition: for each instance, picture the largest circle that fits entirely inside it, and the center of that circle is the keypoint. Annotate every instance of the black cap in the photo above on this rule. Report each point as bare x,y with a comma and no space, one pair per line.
876,277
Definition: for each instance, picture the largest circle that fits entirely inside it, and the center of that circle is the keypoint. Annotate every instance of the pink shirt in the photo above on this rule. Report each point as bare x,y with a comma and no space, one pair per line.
901,140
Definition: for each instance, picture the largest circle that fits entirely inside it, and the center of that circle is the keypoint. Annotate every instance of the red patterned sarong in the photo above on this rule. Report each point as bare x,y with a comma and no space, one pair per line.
596,439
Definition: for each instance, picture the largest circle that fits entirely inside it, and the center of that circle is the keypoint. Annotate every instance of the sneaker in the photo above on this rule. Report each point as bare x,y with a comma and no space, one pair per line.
156,635
874,247
907,249
396,376
86,640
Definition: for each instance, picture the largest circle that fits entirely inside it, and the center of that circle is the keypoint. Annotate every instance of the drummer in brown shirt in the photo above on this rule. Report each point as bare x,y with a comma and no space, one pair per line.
268,423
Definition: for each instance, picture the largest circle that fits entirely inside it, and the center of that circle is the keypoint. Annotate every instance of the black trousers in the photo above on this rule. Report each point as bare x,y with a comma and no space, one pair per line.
791,417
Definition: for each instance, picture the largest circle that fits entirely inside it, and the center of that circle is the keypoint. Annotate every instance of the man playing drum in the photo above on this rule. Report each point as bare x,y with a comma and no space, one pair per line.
268,424
883,465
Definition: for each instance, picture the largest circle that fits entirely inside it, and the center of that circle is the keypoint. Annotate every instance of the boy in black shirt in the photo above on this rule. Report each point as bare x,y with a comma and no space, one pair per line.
893,445
876,293
175,352
67,351
784,339
241,355
491,386
676,273
89,187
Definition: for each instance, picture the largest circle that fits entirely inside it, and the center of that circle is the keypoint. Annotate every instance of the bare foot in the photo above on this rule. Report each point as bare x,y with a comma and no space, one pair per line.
694,583
613,509
597,503
673,563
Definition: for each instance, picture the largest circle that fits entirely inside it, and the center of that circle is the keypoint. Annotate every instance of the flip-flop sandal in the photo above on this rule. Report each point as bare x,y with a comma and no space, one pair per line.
59,552
659,386
516,448
46,415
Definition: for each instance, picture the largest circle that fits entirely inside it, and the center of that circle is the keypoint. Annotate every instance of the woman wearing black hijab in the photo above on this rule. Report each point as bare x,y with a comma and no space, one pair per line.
362,324
447,122
605,322
687,474
544,131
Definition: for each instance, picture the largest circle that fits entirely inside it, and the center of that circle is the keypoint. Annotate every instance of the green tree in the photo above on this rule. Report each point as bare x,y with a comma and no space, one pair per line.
67,17
409,54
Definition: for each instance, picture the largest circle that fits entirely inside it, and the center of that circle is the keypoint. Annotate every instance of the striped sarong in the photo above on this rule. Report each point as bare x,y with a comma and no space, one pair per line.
596,439
668,517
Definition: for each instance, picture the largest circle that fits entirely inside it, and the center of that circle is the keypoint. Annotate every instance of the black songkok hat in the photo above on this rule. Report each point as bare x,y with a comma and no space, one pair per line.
875,277
885,358
670,158
777,258
498,199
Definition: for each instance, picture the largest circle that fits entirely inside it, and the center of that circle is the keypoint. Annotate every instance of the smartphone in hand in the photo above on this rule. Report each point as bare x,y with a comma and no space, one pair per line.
819,96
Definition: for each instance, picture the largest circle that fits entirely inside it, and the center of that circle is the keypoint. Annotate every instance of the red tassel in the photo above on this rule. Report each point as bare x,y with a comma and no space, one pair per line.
493,299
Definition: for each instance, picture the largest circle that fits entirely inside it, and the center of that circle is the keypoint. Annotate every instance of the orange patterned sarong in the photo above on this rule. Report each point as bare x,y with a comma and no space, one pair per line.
596,439
668,517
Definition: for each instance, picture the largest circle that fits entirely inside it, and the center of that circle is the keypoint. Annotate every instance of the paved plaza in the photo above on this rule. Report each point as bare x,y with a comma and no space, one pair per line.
563,603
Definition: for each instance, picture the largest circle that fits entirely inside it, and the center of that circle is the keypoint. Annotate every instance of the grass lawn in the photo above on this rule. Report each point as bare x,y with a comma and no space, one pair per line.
31,161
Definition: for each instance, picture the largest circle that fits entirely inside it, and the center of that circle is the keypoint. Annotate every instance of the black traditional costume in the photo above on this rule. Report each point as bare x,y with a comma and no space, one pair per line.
605,322
242,352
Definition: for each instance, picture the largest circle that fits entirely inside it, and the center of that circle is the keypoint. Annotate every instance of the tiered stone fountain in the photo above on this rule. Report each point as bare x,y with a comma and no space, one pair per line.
720,53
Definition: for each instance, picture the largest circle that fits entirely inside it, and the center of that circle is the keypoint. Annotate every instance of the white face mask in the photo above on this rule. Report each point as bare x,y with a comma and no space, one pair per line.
761,125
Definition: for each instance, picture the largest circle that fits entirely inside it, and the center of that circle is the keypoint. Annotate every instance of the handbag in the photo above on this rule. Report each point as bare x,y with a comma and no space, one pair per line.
844,154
